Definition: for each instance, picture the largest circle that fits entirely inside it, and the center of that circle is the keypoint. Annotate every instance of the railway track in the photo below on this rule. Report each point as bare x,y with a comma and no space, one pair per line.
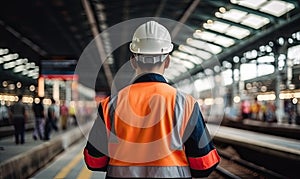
232,166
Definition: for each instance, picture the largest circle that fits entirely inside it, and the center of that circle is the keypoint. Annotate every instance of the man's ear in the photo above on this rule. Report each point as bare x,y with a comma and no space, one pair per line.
167,62
133,62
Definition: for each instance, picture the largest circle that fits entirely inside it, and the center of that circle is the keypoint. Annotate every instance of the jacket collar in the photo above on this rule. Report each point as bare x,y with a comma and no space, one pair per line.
150,77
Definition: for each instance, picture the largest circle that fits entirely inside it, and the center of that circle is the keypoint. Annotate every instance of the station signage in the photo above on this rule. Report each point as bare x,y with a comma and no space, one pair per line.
59,69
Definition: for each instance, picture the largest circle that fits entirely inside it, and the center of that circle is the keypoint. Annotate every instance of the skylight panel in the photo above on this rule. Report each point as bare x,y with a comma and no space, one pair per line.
253,4
224,41
186,59
277,8
214,48
242,17
216,26
179,54
233,15
187,49
265,59
255,21
176,67
193,51
204,35
199,44
196,43
237,32
188,64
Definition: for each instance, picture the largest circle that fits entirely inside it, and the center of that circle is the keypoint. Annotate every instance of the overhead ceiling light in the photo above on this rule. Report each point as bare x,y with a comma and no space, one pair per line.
253,4
255,21
237,32
277,8
222,9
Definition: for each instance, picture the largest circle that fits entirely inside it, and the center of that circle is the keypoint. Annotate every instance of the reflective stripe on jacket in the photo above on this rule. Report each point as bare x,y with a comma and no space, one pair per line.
153,131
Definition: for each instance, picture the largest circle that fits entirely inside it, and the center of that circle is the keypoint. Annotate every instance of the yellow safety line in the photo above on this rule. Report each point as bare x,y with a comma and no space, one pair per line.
64,172
84,173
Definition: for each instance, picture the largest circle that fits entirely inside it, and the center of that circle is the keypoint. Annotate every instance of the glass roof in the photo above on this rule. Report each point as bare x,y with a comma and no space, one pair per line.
255,21
216,26
231,30
277,8
253,4
212,37
244,18
237,32
233,15
228,27
274,7
204,53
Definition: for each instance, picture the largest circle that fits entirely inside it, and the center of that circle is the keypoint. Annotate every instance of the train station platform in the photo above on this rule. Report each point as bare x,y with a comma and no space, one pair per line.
21,161
8,130
280,154
273,128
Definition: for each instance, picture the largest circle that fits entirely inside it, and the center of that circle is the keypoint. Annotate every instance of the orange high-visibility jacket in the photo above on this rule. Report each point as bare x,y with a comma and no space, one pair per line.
150,130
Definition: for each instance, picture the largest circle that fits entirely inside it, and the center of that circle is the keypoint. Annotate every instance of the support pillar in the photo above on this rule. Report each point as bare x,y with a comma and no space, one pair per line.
56,90
68,92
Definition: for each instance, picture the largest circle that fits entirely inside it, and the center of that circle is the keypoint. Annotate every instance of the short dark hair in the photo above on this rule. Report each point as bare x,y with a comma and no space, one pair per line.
148,66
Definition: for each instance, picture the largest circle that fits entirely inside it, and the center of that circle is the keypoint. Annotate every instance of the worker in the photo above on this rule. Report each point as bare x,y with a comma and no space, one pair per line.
149,129
19,116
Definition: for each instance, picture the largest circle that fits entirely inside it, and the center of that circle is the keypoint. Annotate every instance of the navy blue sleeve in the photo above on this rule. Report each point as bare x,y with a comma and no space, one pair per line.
199,149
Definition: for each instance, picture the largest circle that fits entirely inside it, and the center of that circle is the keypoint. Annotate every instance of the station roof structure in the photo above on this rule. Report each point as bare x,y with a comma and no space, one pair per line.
36,30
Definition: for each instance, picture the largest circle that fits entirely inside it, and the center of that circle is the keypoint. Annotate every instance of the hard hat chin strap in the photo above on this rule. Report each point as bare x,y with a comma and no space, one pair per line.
150,58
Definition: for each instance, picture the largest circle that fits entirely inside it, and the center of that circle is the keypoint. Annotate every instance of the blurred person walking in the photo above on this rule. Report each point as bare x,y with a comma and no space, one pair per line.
72,114
19,117
150,129
4,114
64,114
39,114
50,120
245,109
271,112
255,109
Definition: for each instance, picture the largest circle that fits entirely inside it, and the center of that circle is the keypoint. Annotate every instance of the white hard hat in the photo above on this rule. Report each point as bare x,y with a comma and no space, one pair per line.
151,38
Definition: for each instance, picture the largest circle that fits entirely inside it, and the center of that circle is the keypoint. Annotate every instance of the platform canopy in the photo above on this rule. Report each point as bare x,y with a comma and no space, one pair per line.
61,29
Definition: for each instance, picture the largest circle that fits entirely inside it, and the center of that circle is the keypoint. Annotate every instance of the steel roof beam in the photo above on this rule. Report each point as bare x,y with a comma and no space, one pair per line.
184,18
